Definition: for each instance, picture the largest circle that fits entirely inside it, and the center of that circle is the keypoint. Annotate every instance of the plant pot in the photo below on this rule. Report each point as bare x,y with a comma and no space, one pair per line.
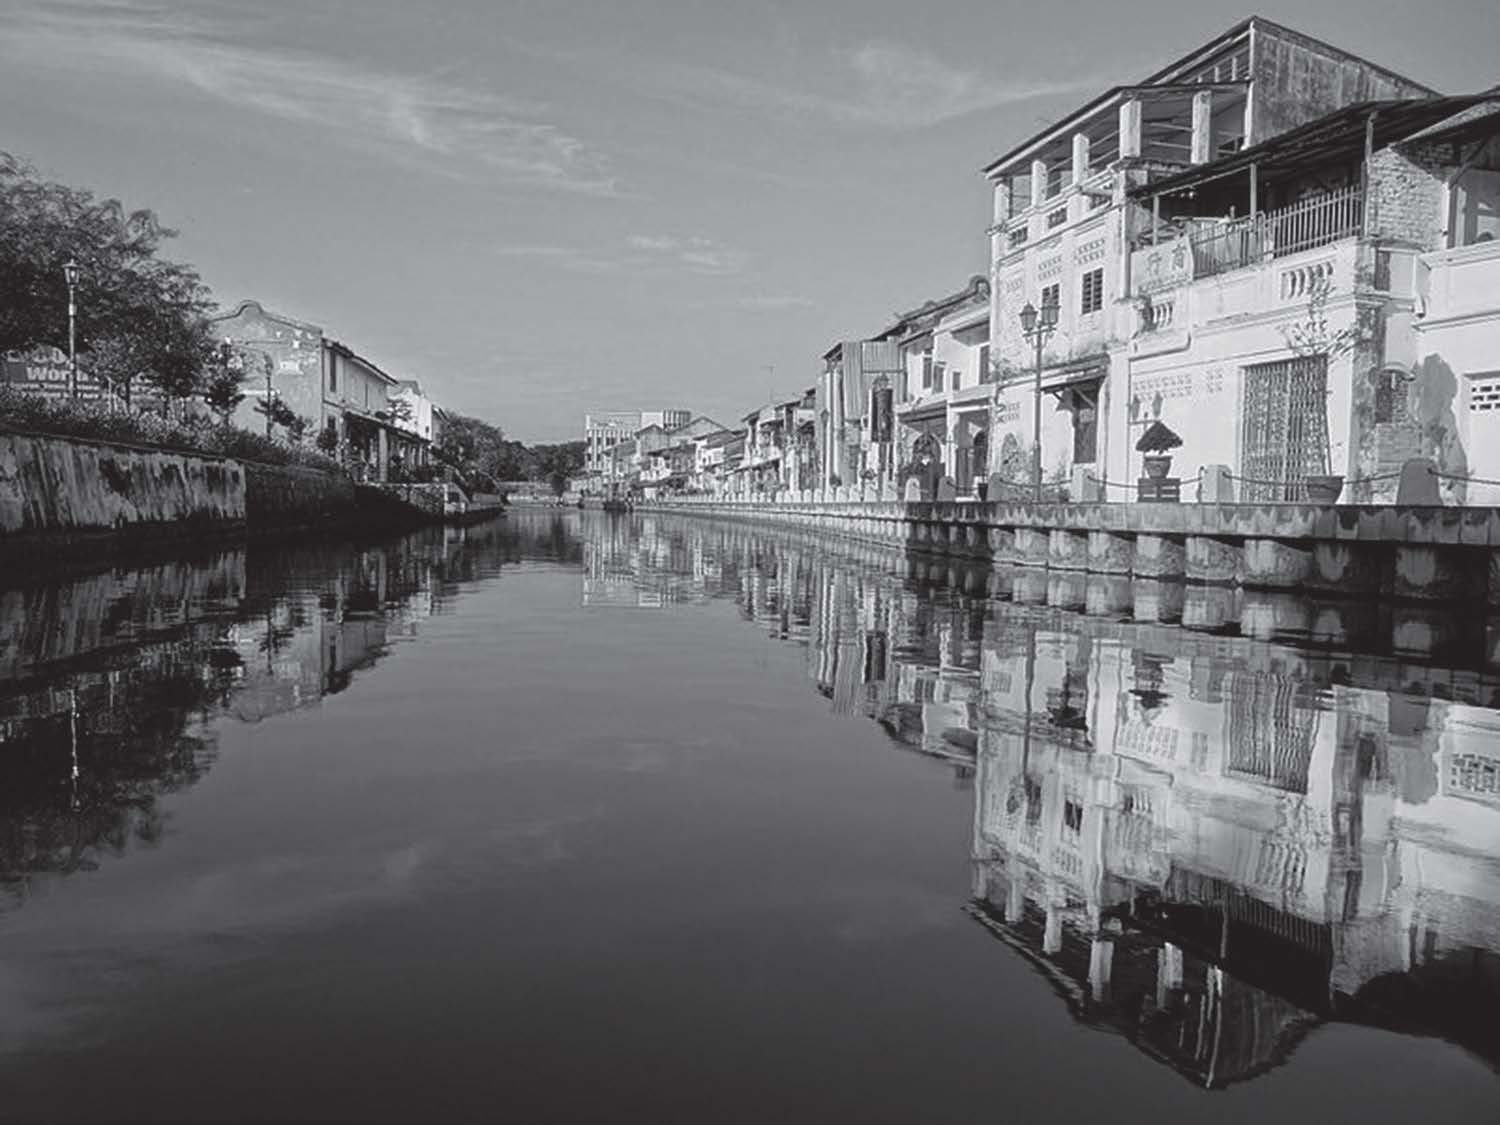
1157,466
1324,489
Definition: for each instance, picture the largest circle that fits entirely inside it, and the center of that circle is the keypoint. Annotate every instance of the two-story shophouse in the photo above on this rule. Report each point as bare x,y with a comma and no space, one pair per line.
1066,219
1326,305
946,397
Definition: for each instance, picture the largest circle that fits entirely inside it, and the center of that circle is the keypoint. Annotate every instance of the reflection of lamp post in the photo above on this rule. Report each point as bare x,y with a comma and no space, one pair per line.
1038,328
70,274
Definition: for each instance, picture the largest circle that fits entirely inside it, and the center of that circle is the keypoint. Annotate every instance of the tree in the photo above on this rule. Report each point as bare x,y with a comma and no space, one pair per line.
224,376
139,315
280,414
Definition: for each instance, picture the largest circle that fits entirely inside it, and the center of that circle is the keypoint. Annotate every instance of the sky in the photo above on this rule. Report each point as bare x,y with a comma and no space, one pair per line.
541,208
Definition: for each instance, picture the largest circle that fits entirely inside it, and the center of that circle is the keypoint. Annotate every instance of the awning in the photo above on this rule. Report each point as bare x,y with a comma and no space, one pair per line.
1063,376
921,410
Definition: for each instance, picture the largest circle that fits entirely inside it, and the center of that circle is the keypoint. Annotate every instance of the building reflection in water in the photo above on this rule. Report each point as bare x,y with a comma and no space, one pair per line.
1206,843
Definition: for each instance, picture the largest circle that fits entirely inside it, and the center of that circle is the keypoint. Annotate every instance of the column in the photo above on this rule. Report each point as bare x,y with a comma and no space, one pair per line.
1002,200
1038,182
1130,128
382,455
1203,107
1080,158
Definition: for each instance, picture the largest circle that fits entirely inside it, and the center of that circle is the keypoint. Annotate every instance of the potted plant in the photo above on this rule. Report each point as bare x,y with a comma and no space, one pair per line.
1154,443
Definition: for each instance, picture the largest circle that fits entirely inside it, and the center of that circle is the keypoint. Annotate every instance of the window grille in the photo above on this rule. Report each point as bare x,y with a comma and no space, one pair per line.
1093,291
1285,427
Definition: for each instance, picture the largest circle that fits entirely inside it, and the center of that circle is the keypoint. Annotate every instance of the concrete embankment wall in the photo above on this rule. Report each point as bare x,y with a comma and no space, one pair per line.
1381,551
58,494
60,487
287,497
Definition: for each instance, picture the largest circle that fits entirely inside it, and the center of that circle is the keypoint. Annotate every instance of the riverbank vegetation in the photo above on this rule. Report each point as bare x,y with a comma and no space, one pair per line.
143,334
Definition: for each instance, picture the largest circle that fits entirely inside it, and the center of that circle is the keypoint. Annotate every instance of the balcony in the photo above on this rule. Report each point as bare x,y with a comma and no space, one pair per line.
1205,248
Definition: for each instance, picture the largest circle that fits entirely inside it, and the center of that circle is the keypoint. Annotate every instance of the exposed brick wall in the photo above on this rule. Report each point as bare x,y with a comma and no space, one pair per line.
1406,187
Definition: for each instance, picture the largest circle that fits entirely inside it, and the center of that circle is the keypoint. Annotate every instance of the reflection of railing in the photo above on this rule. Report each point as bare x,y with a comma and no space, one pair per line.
1222,247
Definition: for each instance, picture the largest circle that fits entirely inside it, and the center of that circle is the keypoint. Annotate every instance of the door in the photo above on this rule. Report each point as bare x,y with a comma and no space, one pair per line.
1284,434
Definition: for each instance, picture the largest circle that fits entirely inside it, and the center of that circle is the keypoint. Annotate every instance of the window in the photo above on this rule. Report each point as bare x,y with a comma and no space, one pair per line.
1073,816
985,374
1093,291
1052,293
926,371
333,372
939,369
1057,218
956,374
1017,237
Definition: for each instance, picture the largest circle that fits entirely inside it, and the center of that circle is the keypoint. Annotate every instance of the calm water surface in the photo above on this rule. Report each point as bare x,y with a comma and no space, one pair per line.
581,818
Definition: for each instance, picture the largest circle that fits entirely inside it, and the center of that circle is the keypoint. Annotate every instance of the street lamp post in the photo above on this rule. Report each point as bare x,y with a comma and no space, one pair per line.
70,274
1037,327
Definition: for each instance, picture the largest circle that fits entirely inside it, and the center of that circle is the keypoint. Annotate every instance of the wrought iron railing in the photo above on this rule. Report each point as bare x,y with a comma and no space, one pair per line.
1222,247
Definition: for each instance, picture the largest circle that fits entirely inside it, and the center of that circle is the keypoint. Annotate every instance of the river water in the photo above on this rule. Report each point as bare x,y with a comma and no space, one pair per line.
575,817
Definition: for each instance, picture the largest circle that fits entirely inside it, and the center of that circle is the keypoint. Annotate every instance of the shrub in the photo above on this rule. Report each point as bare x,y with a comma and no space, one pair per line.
99,421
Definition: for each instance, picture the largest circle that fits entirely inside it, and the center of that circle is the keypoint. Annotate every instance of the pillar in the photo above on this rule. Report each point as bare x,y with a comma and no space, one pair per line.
1067,590
1002,200
1349,567
1015,900
382,455
1210,608
1130,128
1441,573
1101,961
1157,601
1080,157
1038,182
1159,556
1108,595
1032,546
1275,564
1110,553
1218,562
1203,127
1068,550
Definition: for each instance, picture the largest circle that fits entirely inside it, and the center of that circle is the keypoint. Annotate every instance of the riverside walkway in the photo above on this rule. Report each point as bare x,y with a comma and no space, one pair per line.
1425,553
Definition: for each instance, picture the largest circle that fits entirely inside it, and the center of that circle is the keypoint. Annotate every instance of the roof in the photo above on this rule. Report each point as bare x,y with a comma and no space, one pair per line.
269,315
977,290
1339,135
1160,79
345,350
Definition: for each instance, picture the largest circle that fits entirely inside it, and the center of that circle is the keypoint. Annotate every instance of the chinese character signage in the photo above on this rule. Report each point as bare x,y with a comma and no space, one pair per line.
1168,265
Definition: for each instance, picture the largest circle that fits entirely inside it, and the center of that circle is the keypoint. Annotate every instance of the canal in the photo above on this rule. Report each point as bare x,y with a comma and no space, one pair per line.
577,817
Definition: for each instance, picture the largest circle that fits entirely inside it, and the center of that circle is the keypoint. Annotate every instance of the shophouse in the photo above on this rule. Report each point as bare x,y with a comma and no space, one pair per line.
1068,215
1318,309
945,399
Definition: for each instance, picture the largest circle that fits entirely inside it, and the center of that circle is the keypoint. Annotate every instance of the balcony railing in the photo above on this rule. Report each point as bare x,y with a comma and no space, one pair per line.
1222,247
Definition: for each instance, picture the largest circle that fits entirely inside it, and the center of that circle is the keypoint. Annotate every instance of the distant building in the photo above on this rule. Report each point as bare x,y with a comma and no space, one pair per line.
605,429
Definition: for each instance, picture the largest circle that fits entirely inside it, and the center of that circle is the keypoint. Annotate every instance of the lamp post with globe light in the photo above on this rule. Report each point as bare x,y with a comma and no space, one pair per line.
1037,327
70,275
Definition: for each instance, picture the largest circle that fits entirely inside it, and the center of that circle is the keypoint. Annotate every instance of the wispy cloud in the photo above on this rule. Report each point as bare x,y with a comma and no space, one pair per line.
875,85
775,303
453,128
641,253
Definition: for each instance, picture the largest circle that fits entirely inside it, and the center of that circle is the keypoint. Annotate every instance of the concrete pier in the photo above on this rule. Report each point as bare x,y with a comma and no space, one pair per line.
1419,554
